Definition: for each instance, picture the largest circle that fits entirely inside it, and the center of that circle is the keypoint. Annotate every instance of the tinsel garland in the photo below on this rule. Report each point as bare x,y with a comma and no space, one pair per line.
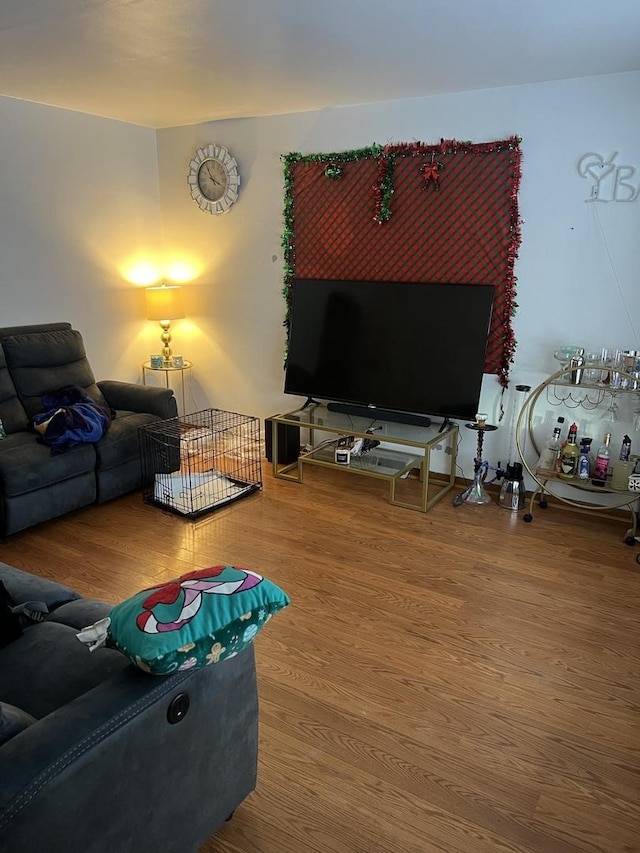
288,238
510,288
383,191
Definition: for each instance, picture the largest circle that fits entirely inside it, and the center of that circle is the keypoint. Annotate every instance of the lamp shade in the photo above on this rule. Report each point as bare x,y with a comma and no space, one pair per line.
164,302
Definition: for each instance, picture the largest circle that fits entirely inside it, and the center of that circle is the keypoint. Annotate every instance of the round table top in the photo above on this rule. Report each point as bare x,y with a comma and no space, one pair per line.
184,366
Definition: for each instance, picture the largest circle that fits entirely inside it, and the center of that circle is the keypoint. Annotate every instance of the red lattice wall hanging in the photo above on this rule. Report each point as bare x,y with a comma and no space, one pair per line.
410,212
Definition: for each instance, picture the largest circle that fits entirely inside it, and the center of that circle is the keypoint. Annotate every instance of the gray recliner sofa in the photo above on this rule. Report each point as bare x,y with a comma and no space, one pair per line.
36,484
111,759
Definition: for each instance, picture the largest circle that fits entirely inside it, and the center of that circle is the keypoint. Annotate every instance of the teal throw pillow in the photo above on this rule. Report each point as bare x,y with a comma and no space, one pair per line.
200,618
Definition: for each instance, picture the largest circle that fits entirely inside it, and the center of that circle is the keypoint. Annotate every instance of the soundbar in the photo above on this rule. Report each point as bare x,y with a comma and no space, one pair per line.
391,415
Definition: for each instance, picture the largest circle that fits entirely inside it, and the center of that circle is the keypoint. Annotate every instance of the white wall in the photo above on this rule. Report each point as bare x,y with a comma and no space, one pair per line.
577,269
79,204
80,201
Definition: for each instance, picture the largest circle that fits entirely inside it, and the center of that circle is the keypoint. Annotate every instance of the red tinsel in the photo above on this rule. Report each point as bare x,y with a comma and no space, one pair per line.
455,147
383,187
431,175
434,158
509,341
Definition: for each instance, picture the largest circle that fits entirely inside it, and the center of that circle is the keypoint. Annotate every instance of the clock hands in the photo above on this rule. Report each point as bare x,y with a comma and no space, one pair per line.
215,181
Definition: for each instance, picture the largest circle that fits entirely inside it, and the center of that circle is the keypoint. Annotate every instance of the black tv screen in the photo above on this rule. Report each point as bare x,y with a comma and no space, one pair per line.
398,346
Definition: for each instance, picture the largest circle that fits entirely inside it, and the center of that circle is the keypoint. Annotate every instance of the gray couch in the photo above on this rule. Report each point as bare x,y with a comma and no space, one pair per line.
35,484
102,769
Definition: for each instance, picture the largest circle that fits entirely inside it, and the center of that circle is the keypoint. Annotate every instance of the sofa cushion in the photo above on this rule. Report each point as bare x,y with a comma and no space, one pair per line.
121,443
24,586
26,465
200,618
12,413
79,613
13,721
46,667
43,362
10,628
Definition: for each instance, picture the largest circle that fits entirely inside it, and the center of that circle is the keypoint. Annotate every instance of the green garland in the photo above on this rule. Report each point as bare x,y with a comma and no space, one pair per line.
384,188
383,191
288,243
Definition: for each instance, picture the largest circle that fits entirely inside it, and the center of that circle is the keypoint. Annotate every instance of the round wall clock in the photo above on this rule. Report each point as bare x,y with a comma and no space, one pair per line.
213,179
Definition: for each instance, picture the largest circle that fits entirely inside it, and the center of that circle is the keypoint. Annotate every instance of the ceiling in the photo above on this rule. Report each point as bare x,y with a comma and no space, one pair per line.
161,63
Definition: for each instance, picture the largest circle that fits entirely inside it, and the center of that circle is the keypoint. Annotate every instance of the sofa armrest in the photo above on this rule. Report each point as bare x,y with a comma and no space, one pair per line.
109,771
139,398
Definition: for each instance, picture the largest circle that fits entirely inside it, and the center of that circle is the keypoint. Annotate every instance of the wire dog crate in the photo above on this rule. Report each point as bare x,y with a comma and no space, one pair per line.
196,463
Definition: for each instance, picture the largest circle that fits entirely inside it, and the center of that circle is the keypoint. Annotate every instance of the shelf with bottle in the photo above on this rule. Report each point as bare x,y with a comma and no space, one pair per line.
614,402
568,469
587,380
564,461
609,366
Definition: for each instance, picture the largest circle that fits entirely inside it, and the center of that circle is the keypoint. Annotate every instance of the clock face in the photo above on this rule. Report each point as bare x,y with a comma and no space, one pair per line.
213,179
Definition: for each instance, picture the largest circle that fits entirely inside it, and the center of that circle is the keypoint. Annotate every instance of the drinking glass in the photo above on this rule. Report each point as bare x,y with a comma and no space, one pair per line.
617,365
591,360
611,358
565,354
610,415
605,360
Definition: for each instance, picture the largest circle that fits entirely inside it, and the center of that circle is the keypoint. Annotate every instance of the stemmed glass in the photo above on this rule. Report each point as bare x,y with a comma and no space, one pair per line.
611,414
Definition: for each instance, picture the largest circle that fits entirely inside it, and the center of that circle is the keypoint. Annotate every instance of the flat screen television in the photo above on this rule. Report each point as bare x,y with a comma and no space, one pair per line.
398,351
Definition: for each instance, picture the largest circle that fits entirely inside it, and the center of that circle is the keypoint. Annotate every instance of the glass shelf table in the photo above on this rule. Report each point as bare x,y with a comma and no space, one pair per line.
411,451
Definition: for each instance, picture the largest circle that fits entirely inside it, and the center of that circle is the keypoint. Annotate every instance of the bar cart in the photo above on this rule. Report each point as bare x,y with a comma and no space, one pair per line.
599,405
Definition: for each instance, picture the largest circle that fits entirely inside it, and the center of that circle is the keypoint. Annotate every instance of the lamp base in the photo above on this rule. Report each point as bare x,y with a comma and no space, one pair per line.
165,337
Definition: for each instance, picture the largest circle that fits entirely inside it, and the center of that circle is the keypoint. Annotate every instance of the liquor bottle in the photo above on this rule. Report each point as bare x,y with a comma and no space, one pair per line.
569,456
625,450
584,461
623,467
601,465
562,447
551,451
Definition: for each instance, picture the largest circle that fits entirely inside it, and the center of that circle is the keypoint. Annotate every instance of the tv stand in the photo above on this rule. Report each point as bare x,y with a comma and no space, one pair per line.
404,448
388,415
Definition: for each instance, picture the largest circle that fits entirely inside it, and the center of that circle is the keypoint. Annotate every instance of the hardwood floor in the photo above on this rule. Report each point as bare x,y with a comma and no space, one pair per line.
459,682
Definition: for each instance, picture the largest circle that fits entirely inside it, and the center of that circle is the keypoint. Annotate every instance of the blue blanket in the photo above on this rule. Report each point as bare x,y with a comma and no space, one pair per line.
71,417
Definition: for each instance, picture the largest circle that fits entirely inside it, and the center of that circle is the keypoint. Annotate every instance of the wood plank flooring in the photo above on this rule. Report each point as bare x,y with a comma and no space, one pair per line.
459,681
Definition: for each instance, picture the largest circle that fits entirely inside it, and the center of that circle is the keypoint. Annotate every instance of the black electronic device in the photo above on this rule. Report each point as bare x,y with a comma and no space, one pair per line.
389,350
288,442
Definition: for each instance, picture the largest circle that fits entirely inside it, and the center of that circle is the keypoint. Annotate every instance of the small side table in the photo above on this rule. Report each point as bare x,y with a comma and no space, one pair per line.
167,370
